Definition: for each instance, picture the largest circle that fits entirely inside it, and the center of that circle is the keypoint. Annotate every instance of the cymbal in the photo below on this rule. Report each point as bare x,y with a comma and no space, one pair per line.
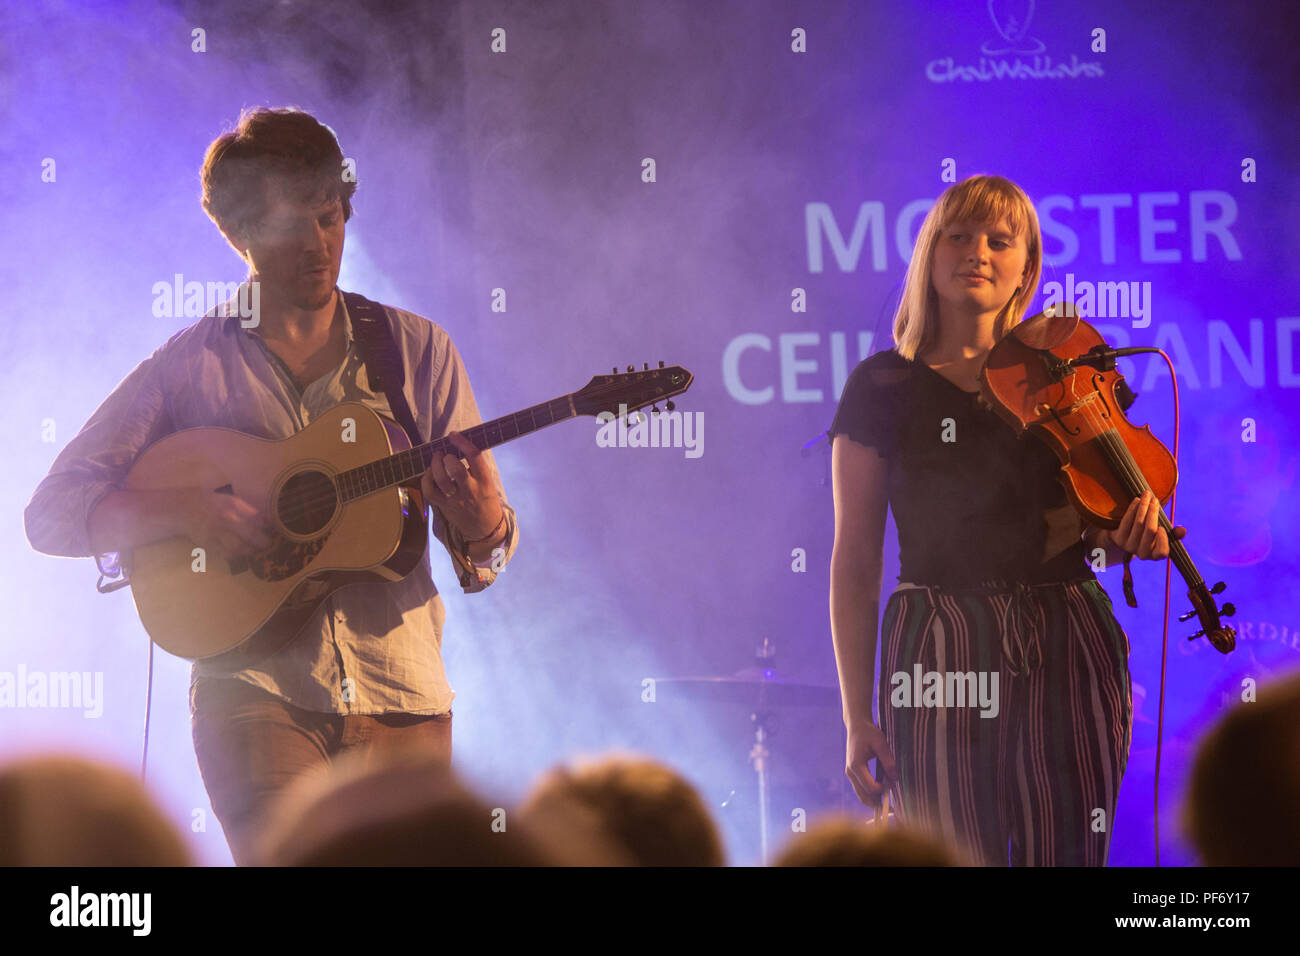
753,687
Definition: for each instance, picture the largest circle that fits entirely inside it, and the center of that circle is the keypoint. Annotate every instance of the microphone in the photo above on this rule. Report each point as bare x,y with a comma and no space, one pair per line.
1103,358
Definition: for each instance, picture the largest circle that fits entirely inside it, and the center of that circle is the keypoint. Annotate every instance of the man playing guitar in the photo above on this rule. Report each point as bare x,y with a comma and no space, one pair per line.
365,672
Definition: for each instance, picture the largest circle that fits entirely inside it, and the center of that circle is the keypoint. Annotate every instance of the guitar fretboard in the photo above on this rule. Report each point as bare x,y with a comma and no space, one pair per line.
410,464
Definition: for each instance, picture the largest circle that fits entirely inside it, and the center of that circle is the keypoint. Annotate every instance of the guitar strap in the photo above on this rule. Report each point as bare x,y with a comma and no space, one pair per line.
386,372
384,366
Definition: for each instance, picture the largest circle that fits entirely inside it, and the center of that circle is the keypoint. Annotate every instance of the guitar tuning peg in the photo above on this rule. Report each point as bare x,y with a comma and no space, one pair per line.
645,366
661,363
1218,588
654,409
631,368
669,405
1228,610
1188,616
615,369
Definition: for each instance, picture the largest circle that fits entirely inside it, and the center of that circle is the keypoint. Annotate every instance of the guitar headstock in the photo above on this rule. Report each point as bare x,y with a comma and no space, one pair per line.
632,389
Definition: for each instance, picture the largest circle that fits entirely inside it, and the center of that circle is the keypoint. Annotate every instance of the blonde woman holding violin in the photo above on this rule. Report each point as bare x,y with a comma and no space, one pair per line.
1004,696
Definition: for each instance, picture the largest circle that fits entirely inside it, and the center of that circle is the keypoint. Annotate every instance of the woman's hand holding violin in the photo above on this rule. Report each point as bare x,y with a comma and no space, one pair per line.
1139,533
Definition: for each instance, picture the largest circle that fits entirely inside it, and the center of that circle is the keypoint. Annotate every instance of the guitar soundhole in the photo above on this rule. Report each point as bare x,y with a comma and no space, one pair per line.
307,502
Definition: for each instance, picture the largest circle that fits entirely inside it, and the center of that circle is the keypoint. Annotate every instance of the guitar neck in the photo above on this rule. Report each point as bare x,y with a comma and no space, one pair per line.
409,465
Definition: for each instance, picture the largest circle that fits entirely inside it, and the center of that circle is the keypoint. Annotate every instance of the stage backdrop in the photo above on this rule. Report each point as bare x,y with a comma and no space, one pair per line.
732,187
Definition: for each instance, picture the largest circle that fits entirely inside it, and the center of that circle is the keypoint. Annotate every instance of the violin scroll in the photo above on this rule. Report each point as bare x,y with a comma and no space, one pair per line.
1223,638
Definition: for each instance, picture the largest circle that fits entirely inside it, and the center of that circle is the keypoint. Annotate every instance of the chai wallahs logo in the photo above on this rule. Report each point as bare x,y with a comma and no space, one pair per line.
1011,18
1002,56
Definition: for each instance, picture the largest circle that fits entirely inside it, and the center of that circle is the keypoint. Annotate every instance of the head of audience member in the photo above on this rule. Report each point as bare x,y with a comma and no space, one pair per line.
402,809
643,806
843,841
67,810
1245,783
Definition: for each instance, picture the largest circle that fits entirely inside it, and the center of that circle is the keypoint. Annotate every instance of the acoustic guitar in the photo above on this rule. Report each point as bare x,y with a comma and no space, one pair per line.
345,508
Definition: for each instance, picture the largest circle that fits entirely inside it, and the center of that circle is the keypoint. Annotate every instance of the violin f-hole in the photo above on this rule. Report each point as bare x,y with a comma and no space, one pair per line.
1097,382
1056,414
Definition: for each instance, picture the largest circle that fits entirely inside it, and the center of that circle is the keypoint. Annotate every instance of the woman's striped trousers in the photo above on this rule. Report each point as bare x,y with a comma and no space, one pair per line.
1009,710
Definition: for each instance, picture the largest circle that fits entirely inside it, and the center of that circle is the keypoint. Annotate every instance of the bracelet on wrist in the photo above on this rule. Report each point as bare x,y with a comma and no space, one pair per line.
491,534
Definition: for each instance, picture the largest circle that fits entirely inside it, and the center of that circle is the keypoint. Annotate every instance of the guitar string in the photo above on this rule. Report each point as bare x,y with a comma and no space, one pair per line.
301,504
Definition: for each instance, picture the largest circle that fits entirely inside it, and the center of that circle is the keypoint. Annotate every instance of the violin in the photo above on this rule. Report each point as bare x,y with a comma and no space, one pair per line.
1055,375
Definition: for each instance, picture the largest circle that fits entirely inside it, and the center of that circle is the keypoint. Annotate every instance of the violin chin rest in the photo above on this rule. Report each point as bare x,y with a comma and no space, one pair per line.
1050,328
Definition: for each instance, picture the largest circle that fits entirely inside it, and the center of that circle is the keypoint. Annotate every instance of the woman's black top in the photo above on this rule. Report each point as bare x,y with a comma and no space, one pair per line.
973,501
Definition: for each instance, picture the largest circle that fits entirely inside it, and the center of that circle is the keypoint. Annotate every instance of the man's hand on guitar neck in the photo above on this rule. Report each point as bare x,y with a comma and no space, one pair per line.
468,492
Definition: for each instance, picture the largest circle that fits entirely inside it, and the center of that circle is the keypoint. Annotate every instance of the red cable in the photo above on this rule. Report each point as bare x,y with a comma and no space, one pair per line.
1164,644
